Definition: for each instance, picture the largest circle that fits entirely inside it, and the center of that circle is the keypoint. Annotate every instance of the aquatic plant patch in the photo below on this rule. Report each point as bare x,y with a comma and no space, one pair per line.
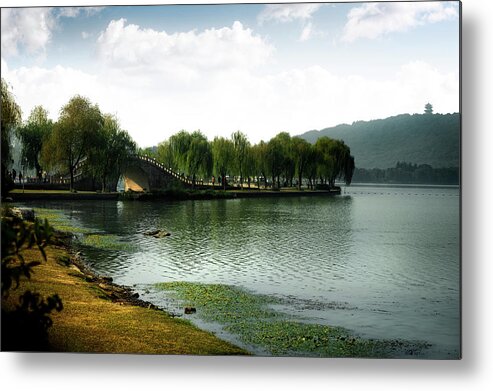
60,221
106,242
252,318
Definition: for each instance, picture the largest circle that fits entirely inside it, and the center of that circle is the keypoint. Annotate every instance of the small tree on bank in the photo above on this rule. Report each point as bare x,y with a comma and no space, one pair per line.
73,135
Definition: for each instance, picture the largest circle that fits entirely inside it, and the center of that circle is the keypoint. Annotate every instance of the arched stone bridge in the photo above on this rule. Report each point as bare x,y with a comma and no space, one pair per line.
142,174
147,174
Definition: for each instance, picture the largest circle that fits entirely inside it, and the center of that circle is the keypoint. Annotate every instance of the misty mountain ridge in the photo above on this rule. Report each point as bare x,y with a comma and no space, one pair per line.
432,139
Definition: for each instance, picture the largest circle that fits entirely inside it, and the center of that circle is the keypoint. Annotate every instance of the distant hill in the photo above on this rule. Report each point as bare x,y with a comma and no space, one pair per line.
432,139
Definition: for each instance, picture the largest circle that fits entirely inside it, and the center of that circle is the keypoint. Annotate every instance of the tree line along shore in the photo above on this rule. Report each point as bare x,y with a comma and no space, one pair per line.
82,133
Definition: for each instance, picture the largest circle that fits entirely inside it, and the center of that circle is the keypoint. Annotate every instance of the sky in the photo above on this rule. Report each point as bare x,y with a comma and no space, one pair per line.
257,68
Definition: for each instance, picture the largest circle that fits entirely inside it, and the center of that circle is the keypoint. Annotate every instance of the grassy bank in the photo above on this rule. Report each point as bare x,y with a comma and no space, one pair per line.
93,320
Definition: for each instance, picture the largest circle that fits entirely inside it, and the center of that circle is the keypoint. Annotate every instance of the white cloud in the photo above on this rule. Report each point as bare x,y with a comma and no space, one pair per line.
373,20
152,109
181,55
28,29
73,12
287,12
85,35
306,33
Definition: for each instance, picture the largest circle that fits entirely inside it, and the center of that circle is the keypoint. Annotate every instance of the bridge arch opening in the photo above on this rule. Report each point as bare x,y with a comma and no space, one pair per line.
135,179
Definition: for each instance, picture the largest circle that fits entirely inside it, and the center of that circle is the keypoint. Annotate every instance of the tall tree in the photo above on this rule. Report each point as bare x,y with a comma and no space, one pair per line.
33,134
198,156
287,160
241,145
250,164
259,156
334,160
301,154
111,153
274,159
180,144
73,135
11,117
223,157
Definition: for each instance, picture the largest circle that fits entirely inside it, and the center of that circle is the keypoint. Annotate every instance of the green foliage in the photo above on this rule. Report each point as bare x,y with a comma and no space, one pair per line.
110,154
252,318
17,235
75,132
274,160
165,155
25,326
222,156
241,146
198,156
432,139
33,134
301,153
11,117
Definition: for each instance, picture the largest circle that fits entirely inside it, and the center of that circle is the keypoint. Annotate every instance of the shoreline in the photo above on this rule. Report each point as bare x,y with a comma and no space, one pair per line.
43,195
100,316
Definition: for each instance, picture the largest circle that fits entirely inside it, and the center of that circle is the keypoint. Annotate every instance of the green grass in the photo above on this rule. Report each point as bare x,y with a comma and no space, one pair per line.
252,318
91,322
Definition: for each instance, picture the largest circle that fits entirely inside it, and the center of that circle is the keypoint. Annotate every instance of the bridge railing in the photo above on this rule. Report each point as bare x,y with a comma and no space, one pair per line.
168,170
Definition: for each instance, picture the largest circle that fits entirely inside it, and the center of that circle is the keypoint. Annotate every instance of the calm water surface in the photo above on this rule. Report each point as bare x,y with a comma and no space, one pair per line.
382,262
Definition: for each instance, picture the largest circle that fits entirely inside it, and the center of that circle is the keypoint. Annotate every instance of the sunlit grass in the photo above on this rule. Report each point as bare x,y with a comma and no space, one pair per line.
91,322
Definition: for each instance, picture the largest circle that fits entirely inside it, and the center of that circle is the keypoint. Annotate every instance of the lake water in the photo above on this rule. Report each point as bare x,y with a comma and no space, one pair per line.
382,262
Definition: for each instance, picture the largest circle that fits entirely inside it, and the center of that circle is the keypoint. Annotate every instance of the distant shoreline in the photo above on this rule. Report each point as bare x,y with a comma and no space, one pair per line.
41,195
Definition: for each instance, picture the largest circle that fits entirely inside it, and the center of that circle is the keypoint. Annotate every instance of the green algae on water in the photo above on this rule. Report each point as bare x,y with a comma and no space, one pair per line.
59,221
87,237
106,242
252,318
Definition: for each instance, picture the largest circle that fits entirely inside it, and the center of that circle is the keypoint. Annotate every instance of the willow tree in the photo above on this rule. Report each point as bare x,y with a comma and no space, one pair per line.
241,144
198,156
287,159
179,145
274,160
301,153
334,161
111,153
11,117
259,157
33,134
223,157
75,132
166,155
